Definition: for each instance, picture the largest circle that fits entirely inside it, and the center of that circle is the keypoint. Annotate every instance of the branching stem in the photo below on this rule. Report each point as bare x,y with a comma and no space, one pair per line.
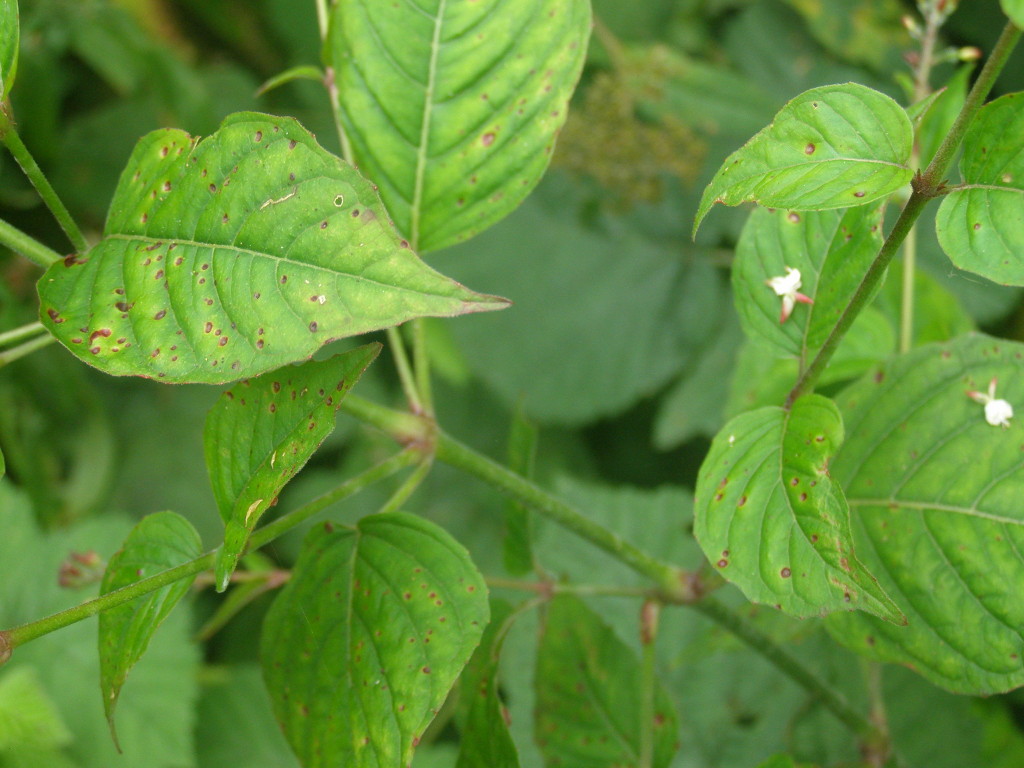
925,186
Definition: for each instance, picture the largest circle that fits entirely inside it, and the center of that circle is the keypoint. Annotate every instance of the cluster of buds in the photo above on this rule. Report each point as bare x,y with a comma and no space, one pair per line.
80,569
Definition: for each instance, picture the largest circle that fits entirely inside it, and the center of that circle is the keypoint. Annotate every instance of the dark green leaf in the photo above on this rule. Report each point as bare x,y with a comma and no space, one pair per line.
452,109
1015,10
361,647
262,431
938,314
770,518
9,43
517,545
831,253
831,147
156,713
485,740
977,223
868,32
934,491
624,330
160,541
231,256
589,695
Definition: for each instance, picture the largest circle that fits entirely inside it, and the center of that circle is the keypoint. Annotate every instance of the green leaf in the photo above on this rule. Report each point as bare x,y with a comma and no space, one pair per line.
941,113
831,252
361,647
262,431
977,221
867,32
9,43
237,254
160,541
156,716
624,330
831,147
3,465
934,492
517,544
29,720
773,522
938,314
589,695
1015,10
782,761
485,740
453,108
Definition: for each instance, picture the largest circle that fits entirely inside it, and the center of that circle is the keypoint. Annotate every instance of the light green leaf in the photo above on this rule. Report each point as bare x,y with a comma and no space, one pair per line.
977,223
935,491
29,720
9,43
589,695
831,147
453,108
485,740
941,112
306,72
1015,10
772,521
831,252
237,254
160,541
361,647
262,431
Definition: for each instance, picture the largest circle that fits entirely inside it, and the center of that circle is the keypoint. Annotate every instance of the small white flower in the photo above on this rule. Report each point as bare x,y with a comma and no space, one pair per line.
997,412
788,287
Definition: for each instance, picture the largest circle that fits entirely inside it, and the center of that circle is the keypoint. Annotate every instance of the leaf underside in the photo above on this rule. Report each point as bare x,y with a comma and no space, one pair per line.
262,431
934,492
453,108
235,255
160,541
362,646
978,224
831,147
772,521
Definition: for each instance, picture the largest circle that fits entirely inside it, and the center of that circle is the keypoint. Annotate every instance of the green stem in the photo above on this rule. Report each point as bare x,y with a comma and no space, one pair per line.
648,680
405,373
408,487
674,584
788,664
907,291
27,246
322,18
12,638
17,334
31,168
550,588
421,365
926,186
8,356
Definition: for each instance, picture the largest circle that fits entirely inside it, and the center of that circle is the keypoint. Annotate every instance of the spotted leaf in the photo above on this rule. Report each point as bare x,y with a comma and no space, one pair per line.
831,147
831,251
160,541
772,521
235,255
362,646
590,695
453,108
934,492
262,431
978,223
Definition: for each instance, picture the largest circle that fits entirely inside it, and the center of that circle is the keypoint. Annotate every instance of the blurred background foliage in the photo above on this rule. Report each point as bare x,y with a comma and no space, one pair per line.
622,347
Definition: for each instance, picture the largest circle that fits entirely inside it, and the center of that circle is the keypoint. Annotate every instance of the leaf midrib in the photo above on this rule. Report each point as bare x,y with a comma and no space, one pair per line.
926,506
421,150
263,254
